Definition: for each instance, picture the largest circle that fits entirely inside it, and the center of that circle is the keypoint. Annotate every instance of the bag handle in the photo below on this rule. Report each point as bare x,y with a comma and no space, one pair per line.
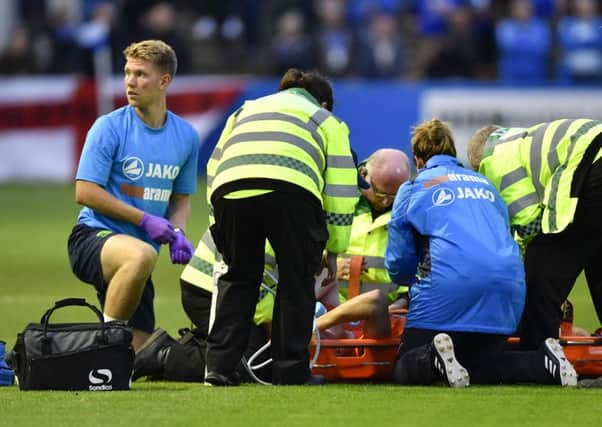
69,302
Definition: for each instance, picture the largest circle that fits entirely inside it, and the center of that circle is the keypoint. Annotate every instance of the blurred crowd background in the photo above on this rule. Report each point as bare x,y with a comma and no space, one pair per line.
515,41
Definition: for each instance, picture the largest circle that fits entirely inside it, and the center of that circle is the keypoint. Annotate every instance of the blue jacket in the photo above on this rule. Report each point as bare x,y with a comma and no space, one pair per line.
449,233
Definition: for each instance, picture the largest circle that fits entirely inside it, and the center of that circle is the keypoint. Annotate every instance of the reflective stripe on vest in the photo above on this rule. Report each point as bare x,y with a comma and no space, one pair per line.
269,159
519,204
553,202
374,261
548,157
537,148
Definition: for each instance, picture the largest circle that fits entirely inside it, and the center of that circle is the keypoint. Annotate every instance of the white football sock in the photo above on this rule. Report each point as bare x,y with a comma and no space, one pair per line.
108,318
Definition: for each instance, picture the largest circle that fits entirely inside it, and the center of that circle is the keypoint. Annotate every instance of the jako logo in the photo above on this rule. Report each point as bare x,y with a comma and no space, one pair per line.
133,168
443,196
100,376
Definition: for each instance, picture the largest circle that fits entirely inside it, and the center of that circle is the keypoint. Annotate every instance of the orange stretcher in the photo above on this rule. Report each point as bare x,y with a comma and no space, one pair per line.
372,359
362,359
357,358
354,359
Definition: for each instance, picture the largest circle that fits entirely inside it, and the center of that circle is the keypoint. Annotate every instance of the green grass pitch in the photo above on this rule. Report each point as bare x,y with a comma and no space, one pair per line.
34,272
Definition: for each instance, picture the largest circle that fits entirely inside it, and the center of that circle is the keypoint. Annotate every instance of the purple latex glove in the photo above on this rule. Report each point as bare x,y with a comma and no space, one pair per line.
180,248
158,229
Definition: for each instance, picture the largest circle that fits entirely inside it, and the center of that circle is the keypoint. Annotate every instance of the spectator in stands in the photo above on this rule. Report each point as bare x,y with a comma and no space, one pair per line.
456,55
229,20
18,57
102,29
359,12
66,55
450,232
229,31
160,22
335,41
524,45
291,45
580,44
431,27
133,14
431,16
484,33
380,53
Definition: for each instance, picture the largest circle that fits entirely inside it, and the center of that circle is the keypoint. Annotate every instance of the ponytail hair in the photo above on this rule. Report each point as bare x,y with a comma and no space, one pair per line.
432,137
313,82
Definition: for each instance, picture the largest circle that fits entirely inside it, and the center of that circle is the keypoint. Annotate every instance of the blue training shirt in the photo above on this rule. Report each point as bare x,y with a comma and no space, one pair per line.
139,165
450,234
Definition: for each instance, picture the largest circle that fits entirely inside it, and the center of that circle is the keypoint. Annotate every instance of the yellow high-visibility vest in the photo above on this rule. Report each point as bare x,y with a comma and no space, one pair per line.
288,137
369,239
533,169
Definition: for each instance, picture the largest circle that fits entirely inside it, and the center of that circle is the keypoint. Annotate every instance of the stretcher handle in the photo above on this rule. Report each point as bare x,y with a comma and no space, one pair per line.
355,270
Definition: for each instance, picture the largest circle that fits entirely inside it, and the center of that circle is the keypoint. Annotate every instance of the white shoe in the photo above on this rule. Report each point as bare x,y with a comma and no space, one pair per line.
447,364
557,365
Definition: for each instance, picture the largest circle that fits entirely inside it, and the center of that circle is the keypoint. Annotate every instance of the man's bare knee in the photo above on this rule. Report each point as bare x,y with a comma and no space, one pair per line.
127,255
377,301
142,259
130,271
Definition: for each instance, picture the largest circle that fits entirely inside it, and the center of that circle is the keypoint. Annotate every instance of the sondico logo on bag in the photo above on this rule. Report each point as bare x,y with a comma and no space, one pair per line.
99,379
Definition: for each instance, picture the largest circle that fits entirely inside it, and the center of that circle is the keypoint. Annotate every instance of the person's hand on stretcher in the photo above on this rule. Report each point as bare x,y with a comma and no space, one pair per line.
344,267
329,262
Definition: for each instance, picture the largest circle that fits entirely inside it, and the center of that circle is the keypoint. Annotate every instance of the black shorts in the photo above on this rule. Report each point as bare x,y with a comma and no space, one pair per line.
84,246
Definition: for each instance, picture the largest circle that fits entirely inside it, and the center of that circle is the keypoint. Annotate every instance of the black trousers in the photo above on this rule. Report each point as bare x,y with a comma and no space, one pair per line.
485,356
554,261
186,360
295,226
196,303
